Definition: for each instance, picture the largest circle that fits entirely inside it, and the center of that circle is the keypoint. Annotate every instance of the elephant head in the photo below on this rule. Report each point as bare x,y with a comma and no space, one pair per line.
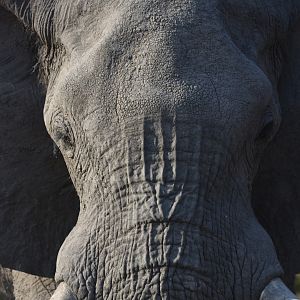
162,112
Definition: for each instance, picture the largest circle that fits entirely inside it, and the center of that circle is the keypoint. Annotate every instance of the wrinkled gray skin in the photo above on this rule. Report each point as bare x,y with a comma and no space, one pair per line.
161,110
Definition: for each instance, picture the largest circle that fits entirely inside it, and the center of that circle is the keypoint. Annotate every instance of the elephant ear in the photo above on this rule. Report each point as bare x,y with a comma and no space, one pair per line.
276,190
38,204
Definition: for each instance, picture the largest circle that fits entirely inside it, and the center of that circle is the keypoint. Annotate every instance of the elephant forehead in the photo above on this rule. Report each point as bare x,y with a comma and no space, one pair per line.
145,85
99,101
85,13
87,20
122,63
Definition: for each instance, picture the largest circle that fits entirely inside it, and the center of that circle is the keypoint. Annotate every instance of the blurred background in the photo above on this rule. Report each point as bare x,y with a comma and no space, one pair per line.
297,285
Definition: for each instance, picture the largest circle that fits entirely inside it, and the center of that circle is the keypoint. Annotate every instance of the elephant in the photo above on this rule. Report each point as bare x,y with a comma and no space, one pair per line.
150,149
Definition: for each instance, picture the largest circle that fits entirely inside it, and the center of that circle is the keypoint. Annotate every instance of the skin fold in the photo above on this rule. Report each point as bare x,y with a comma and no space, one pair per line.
162,111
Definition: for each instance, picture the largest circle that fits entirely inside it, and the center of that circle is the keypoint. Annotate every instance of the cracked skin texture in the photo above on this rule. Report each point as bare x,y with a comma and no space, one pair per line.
161,110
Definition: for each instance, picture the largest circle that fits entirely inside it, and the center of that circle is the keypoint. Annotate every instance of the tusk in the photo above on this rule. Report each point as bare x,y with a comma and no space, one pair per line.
277,290
63,292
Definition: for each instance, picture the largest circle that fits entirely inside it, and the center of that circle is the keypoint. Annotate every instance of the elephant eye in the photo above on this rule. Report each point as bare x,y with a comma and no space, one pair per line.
63,135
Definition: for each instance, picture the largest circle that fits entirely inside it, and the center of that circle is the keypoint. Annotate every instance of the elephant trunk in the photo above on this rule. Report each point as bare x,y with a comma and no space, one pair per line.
166,213
276,290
